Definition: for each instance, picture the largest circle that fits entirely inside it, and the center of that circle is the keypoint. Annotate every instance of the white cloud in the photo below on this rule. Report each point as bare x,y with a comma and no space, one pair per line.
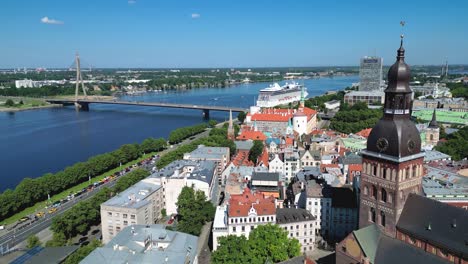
47,20
131,2
195,15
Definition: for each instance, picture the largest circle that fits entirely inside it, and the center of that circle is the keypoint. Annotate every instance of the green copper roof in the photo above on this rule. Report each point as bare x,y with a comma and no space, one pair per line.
449,117
368,238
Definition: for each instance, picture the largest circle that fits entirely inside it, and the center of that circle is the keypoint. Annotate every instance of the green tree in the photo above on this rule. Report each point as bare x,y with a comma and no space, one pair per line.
212,123
163,212
82,252
193,211
9,103
266,242
33,241
241,116
456,144
255,151
232,249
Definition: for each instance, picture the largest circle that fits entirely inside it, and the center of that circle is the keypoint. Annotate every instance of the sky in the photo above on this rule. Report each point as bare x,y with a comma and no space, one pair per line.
223,33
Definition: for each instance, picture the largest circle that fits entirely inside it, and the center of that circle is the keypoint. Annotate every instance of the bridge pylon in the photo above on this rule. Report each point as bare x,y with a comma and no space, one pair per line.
79,80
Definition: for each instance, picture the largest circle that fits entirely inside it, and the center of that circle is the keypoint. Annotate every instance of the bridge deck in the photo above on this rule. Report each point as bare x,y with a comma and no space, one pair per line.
154,104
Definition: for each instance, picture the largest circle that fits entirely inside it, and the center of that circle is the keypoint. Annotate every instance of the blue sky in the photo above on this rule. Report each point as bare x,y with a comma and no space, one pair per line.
222,33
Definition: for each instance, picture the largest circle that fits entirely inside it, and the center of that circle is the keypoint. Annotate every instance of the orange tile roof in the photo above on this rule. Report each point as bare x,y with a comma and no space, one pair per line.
364,133
253,135
289,141
240,204
242,159
354,167
263,158
280,115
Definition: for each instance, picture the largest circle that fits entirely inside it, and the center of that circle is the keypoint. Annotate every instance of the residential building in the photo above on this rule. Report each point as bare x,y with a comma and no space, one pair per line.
370,73
311,196
276,165
220,155
243,214
292,164
445,186
201,175
344,212
300,224
147,244
267,183
311,158
140,204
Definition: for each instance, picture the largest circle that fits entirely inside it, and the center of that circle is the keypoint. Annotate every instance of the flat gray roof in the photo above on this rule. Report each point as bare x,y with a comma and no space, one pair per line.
203,152
203,170
146,244
133,197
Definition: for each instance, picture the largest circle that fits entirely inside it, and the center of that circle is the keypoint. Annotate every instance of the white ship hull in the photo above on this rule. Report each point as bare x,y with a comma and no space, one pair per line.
276,95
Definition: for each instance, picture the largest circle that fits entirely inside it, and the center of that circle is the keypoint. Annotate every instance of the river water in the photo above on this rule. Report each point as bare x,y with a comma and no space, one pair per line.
33,143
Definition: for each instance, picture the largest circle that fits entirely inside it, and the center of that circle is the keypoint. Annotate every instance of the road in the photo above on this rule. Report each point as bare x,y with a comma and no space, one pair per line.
14,237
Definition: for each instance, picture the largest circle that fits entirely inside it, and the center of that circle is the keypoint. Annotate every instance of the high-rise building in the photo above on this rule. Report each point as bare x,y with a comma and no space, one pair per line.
393,162
370,73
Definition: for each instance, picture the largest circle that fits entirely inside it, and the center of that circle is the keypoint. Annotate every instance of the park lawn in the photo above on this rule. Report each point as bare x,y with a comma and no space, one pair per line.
41,205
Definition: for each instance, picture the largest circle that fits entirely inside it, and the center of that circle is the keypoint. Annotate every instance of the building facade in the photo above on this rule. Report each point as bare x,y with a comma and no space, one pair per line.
370,73
392,162
141,204
300,224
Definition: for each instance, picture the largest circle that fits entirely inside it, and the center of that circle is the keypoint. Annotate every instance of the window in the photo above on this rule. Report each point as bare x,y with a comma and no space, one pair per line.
132,216
372,215
243,228
415,169
384,174
383,195
124,215
374,192
297,226
233,229
366,190
109,213
375,170
382,218
125,223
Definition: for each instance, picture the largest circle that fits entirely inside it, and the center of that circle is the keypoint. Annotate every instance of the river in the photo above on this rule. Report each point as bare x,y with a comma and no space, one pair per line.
36,142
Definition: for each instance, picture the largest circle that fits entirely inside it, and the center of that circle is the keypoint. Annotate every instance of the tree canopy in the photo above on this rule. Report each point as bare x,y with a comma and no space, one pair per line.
33,241
255,151
266,242
82,252
241,116
355,118
456,145
193,211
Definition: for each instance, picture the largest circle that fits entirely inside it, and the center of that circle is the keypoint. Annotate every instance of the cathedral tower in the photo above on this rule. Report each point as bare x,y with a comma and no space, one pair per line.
433,131
392,162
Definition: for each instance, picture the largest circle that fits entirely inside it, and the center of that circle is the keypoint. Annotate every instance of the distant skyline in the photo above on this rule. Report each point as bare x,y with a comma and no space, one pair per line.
224,34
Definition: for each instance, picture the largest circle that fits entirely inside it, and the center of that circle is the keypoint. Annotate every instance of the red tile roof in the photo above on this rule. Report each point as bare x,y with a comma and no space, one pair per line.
242,159
280,115
263,159
354,167
324,166
364,133
253,135
240,204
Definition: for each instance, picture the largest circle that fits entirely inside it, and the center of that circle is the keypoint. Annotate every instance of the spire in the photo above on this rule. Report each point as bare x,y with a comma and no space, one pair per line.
302,97
433,123
230,131
401,50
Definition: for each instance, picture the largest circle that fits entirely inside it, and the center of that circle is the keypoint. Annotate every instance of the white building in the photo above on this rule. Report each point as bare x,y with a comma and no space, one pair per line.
201,175
332,105
24,83
140,204
315,199
300,224
243,214
220,155
276,165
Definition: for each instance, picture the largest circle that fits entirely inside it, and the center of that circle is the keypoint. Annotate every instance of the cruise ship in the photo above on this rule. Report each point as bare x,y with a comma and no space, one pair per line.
279,95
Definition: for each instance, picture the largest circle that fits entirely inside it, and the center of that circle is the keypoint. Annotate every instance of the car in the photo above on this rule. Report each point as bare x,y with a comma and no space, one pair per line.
24,219
40,214
52,210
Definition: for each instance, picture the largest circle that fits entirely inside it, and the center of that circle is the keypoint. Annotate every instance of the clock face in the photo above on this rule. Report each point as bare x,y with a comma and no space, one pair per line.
382,144
411,145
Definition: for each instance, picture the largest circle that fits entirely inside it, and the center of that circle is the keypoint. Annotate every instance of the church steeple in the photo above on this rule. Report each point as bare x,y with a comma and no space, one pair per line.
398,94
302,103
393,161
230,131
433,123
395,134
